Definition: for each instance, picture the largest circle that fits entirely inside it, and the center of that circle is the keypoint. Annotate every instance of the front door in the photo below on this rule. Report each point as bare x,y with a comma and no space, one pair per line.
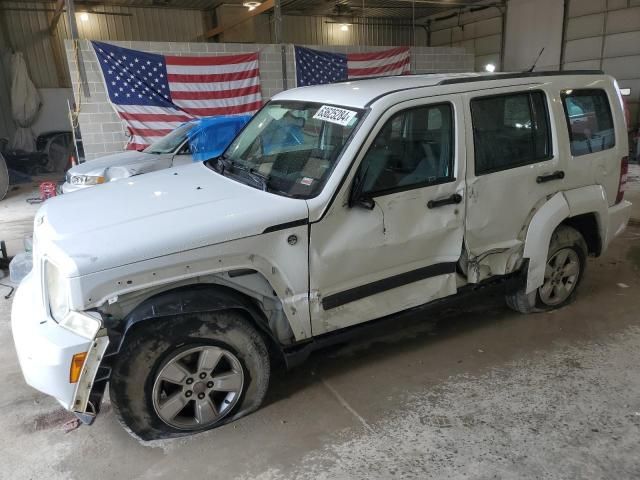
397,247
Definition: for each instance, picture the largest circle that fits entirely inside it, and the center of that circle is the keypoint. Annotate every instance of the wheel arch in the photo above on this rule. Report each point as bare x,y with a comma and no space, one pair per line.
588,226
583,209
199,298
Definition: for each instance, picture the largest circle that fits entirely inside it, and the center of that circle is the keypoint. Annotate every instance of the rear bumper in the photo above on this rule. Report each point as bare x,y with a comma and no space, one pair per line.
45,349
618,219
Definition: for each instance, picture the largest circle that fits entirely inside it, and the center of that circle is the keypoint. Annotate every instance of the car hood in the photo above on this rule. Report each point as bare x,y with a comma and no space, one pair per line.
115,160
157,214
122,165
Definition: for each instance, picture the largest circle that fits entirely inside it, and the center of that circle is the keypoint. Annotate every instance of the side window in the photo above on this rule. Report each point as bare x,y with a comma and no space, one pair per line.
414,148
184,149
510,131
589,120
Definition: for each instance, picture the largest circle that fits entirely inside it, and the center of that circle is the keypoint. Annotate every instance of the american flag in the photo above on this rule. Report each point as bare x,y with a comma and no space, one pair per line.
153,94
314,67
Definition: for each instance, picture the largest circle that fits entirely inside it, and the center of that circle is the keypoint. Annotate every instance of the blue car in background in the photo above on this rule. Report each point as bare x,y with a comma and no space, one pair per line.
197,140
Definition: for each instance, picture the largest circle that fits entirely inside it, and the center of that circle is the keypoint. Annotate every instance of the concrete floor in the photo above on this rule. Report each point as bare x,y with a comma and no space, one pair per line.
472,392
16,215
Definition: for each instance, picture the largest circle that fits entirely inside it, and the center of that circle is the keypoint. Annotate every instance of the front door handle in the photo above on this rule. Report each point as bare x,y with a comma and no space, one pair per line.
559,175
455,198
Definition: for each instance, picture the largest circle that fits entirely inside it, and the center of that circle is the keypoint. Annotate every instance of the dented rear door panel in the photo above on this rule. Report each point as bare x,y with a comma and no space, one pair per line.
500,205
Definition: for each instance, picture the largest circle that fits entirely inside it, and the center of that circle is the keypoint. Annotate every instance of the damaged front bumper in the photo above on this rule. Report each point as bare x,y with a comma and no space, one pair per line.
46,351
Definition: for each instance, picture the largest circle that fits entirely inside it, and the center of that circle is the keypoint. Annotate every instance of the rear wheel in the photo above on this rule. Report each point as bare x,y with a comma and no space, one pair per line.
564,270
188,374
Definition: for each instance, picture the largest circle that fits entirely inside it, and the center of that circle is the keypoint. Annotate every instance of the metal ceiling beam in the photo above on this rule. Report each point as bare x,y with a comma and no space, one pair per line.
73,25
446,5
55,43
56,16
262,8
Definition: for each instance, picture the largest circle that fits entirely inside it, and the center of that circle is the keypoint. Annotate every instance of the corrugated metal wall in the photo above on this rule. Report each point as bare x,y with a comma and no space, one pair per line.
6,121
325,31
605,34
28,32
479,32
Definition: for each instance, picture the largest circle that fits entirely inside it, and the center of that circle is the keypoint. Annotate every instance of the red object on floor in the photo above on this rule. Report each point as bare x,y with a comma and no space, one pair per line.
47,190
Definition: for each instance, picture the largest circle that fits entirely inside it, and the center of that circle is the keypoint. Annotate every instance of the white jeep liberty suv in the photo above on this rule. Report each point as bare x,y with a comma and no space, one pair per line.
180,288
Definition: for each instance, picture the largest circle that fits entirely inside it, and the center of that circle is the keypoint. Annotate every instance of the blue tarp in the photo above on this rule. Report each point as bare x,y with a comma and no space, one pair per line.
277,137
211,136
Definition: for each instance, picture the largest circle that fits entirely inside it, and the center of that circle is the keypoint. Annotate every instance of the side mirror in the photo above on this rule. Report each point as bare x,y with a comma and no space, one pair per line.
365,202
357,198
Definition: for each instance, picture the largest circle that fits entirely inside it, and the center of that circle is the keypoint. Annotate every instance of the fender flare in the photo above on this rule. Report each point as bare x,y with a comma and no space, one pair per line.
591,199
198,298
541,227
563,205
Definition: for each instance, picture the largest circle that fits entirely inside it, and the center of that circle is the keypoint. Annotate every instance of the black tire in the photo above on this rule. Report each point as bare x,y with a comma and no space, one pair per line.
564,237
154,342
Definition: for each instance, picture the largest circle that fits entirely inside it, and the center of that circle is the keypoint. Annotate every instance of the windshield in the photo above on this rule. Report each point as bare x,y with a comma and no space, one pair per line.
171,141
291,146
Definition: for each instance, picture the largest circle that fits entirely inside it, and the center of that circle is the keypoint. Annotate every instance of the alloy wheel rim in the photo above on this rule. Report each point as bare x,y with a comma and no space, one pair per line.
197,387
560,277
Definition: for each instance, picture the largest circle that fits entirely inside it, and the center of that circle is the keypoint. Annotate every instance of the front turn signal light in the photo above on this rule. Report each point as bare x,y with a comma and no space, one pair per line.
77,362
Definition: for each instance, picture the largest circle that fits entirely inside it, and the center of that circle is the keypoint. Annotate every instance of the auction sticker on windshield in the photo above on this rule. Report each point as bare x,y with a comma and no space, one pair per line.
337,115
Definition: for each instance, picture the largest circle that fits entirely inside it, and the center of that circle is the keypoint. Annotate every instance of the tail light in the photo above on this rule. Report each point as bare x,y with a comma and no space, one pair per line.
624,169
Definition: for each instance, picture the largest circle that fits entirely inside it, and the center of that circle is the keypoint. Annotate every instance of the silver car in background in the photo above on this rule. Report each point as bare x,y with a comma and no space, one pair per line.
169,151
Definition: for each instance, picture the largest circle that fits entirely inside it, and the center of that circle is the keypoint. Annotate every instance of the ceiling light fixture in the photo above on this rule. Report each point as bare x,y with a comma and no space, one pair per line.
84,16
251,5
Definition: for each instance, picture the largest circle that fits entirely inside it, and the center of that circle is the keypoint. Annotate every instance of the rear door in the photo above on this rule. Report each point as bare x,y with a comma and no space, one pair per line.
513,170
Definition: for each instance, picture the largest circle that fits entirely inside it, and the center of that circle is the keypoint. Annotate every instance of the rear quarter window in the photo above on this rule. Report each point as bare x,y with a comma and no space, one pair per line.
589,120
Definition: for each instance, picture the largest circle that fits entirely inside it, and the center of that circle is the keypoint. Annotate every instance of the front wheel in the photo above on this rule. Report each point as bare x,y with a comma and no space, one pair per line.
187,374
564,270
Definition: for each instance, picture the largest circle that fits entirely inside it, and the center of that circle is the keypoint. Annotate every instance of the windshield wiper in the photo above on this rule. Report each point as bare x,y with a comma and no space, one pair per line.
223,164
260,178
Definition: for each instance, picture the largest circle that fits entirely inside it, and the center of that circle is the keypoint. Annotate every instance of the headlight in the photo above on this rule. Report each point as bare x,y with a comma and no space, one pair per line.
86,180
83,324
57,294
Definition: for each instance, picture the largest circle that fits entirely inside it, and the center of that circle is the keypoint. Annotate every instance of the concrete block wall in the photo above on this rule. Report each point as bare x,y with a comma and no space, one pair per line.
103,132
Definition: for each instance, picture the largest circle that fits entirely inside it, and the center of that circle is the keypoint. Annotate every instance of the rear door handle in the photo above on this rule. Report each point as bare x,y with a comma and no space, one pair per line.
559,175
455,198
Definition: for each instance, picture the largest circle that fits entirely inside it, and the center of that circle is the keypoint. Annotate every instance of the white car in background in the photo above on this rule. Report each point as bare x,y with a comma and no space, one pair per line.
170,151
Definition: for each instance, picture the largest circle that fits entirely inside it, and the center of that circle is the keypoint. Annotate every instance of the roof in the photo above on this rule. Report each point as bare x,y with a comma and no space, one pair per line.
335,11
360,93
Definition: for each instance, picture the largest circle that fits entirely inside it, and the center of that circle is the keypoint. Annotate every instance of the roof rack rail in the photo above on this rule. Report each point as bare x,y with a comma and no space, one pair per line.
508,76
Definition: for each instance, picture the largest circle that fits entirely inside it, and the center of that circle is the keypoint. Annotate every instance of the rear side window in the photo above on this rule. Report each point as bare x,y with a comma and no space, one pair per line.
510,131
589,120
